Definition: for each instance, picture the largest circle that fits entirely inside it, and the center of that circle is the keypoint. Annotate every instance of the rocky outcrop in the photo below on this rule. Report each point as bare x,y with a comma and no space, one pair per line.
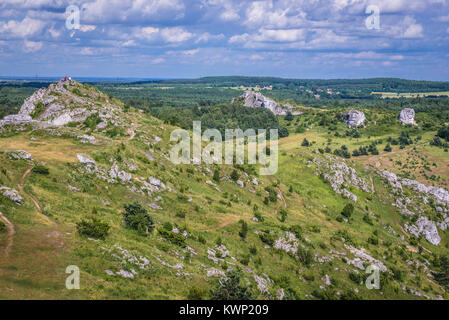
340,176
253,99
11,194
407,116
63,103
354,118
85,160
116,173
411,205
426,228
18,155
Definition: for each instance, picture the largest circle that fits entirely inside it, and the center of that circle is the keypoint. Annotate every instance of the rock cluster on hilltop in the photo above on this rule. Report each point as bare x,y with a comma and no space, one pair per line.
354,118
407,116
258,100
65,102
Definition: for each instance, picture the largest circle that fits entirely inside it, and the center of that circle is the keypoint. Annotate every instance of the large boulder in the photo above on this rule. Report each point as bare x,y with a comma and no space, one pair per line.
11,194
85,160
354,118
407,116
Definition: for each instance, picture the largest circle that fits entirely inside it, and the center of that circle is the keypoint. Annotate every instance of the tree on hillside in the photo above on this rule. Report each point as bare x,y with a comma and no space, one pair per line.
137,218
305,143
229,287
289,116
348,210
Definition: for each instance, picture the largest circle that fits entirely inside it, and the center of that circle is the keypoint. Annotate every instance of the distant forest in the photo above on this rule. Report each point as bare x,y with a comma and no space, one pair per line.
209,99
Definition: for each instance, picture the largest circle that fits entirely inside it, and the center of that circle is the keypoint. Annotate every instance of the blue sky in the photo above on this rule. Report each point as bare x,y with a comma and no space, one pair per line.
185,39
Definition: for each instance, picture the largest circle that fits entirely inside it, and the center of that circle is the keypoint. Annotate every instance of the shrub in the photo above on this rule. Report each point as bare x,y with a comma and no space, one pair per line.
92,121
267,238
348,210
137,218
216,176
244,229
305,256
230,288
93,228
40,169
235,175
175,238
305,143
444,133
201,239
3,228
283,215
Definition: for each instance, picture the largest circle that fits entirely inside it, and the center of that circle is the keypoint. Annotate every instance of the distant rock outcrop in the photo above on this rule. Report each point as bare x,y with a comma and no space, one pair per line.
258,100
354,118
407,116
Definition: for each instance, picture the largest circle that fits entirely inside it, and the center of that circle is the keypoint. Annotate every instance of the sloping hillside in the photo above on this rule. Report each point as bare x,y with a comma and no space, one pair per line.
76,155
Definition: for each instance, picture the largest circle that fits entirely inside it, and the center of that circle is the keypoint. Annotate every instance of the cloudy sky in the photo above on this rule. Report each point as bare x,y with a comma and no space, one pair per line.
185,38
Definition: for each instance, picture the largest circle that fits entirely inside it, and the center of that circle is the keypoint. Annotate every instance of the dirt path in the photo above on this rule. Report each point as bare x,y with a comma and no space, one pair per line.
9,236
132,130
372,185
21,186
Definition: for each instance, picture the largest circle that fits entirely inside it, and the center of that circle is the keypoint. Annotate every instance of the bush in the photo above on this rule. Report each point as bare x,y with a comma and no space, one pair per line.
93,228
230,288
283,215
175,238
305,143
244,229
137,218
348,210
216,176
444,133
40,169
267,238
305,256
3,228
235,175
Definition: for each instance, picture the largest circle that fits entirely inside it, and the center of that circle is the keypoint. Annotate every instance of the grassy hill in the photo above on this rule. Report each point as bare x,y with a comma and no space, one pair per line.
285,234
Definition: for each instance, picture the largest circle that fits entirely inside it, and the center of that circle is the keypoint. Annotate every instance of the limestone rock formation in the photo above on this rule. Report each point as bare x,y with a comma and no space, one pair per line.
253,99
407,116
11,194
85,160
18,155
354,118
66,102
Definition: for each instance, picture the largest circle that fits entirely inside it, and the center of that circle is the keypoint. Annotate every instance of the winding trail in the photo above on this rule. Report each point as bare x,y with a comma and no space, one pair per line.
10,235
35,202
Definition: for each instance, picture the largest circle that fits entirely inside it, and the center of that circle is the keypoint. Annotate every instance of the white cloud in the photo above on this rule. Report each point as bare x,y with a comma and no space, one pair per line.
86,51
87,28
407,28
22,29
54,33
157,61
175,34
280,35
206,37
32,46
119,11
255,57
148,33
